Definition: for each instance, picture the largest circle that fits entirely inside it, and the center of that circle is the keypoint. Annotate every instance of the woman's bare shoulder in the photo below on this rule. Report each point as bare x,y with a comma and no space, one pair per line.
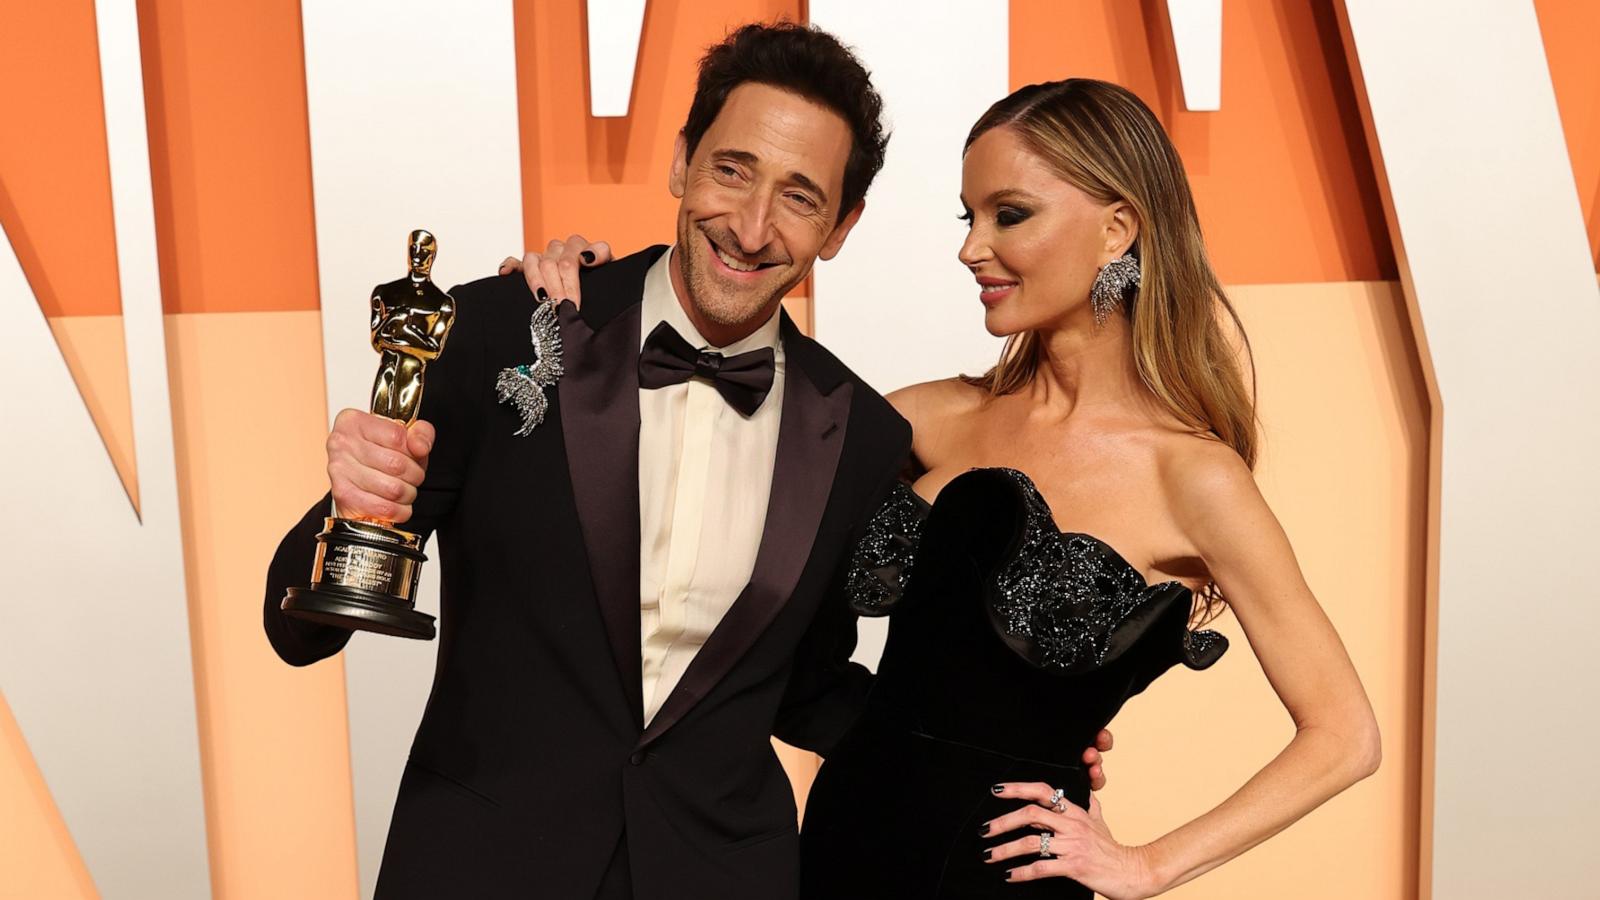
938,412
1202,476
932,404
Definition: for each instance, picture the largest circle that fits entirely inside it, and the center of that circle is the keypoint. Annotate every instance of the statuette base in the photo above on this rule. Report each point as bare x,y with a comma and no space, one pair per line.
364,579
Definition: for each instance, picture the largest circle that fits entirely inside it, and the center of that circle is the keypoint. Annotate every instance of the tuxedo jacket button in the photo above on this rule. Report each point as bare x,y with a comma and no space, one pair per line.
637,759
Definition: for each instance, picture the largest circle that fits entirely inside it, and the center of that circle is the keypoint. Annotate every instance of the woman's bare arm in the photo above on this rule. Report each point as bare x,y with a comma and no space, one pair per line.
1336,743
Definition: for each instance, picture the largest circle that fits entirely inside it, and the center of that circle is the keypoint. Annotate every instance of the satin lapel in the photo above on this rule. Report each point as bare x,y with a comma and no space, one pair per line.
810,438
600,426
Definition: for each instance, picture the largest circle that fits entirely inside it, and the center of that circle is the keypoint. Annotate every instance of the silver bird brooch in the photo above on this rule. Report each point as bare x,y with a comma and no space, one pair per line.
524,386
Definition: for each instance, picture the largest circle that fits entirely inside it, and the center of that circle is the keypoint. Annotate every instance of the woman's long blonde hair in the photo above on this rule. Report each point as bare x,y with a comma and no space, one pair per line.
1106,142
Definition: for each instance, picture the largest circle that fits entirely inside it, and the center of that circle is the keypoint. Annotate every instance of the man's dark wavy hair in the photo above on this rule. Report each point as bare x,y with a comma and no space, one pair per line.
805,61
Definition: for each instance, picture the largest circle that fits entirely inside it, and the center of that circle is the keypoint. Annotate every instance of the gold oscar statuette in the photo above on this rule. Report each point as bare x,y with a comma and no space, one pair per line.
366,570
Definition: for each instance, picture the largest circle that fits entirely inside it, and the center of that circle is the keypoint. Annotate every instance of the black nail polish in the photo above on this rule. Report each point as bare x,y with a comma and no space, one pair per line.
1008,874
988,853
983,830
543,295
996,788
587,256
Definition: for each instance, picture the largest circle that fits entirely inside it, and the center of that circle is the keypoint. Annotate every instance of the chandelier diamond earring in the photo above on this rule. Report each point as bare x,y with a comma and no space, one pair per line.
1112,284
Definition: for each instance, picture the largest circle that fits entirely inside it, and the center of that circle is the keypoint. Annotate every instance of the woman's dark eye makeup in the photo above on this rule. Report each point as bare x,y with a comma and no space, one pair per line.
1005,216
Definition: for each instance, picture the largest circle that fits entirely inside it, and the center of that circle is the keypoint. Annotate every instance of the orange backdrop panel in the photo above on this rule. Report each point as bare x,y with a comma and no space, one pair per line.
1569,28
230,155
274,740
55,204
1281,173
55,181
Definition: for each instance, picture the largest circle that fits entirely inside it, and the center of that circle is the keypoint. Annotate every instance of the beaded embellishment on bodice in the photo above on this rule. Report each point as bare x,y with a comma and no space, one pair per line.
883,557
1066,602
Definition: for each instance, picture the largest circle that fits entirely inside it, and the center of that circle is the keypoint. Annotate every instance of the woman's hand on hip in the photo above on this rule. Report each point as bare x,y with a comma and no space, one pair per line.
1078,842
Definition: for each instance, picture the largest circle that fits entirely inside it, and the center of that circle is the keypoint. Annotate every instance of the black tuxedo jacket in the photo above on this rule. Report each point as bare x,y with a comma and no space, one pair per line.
531,762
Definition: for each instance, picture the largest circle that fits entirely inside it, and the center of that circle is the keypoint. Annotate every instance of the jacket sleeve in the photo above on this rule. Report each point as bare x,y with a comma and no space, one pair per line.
827,691
297,642
454,389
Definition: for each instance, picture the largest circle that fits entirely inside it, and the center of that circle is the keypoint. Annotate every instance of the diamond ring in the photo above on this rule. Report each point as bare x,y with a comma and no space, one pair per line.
1058,802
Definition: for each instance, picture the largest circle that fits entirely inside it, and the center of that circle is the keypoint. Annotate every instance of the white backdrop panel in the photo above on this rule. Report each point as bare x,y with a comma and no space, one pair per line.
615,27
1495,254
1197,36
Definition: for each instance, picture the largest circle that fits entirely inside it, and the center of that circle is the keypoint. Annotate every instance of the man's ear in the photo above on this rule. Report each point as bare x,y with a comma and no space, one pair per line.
830,247
678,178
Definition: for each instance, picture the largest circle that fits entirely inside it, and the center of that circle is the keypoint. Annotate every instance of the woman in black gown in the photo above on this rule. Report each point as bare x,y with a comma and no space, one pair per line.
1013,639
1020,625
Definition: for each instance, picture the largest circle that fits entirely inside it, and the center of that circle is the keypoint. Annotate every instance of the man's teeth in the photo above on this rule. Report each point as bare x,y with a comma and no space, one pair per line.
991,288
734,264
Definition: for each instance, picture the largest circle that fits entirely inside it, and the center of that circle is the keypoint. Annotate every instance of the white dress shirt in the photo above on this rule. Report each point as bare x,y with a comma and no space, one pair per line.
705,473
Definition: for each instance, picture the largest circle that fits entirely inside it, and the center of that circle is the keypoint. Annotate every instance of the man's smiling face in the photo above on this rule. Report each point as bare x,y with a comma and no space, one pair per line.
759,203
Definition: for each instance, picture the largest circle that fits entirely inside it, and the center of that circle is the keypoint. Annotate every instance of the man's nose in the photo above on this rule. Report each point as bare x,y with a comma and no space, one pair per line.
753,225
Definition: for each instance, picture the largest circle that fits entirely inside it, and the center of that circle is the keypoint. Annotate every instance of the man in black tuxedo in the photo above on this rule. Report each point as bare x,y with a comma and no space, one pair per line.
601,710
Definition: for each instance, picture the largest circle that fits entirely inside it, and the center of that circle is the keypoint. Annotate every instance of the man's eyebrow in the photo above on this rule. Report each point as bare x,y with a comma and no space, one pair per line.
812,186
745,157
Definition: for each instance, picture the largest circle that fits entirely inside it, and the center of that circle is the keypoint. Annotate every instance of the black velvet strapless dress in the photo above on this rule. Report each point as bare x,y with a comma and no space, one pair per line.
1011,644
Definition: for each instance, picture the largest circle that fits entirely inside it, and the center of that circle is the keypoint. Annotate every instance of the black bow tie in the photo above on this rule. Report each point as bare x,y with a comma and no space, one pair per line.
742,380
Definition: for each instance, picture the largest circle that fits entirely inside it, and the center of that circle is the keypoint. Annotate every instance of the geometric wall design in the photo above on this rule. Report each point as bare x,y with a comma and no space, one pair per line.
171,381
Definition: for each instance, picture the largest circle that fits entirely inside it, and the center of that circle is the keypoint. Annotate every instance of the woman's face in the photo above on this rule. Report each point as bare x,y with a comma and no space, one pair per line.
1035,241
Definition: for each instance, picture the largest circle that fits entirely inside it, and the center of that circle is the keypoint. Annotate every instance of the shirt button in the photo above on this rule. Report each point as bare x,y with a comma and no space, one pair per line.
637,759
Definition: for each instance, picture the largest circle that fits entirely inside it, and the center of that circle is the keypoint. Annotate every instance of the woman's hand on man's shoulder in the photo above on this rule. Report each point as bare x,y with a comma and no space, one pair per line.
553,274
